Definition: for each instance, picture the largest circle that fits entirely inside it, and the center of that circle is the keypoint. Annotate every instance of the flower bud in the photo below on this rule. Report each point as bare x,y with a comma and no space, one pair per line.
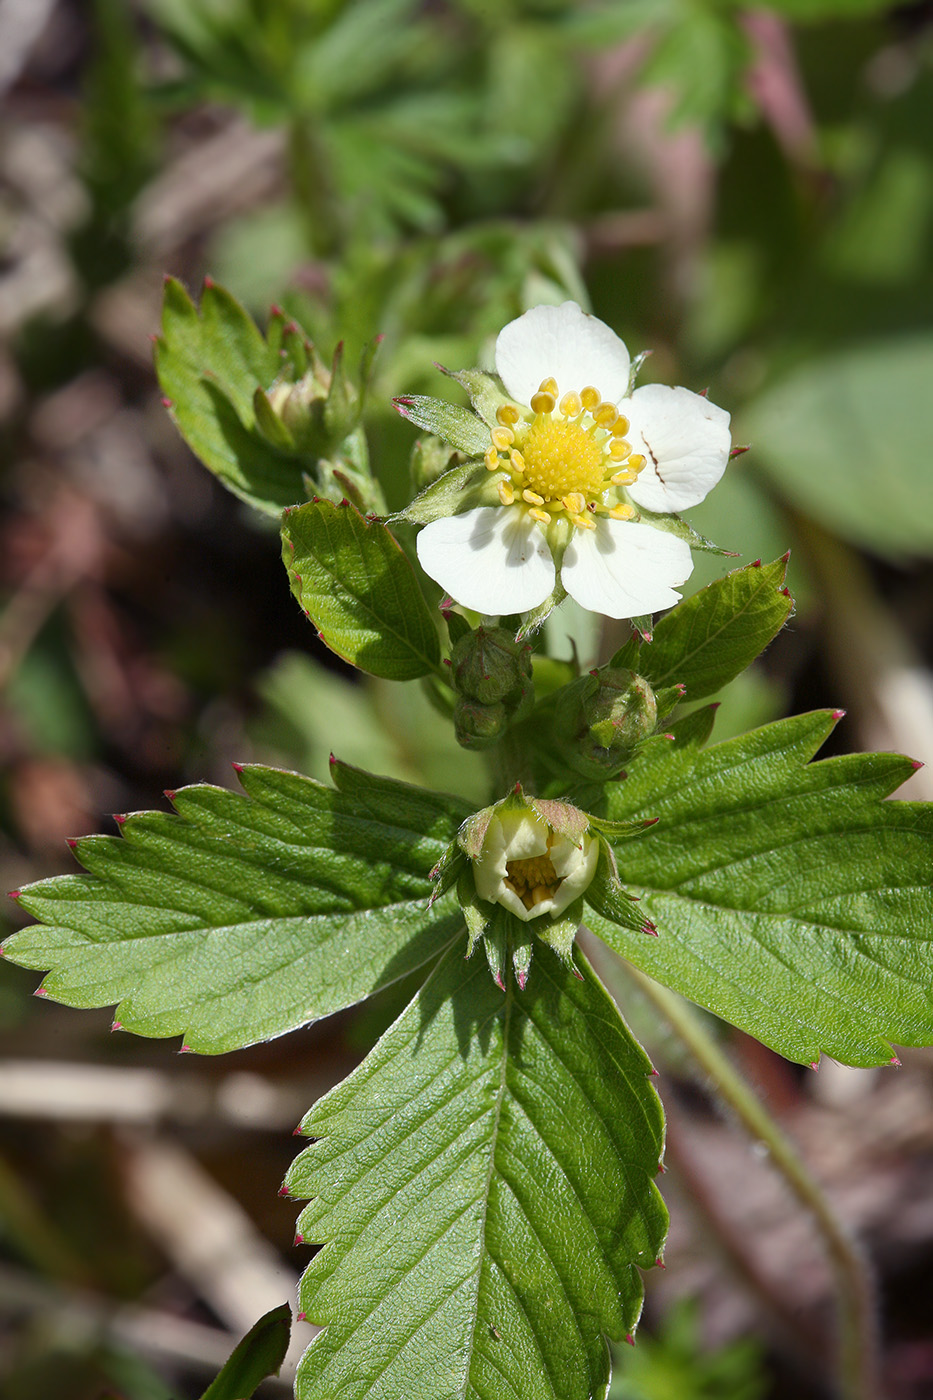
532,856
477,725
489,665
603,717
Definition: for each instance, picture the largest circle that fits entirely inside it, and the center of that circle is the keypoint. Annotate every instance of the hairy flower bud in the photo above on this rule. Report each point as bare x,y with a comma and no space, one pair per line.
477,725
603,717
489,665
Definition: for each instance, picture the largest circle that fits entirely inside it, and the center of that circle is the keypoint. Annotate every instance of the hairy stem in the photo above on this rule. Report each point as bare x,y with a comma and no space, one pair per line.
858,1353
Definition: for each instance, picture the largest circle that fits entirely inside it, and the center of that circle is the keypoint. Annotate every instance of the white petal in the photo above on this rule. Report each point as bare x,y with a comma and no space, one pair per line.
624,569
566,343
494,559
686,441
577,873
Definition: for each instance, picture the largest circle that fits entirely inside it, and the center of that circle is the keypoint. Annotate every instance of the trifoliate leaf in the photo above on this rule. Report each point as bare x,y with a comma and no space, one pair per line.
352,579
245,916
790,898
483,1187
707,640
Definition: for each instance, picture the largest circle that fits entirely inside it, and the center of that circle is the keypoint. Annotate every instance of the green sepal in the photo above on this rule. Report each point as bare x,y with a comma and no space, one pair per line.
271,425
487,394
476,912
611,900
462,488
536,617
351,577
448,421
497,944
560,934
457,626
674,525
521,941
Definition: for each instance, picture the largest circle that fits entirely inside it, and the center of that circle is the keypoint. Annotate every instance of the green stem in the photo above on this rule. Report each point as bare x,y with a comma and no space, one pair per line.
858,1360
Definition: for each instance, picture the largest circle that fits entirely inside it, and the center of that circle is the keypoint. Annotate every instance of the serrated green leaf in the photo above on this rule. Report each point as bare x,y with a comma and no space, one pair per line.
790,898
707,640
448,421
258,1355
209,367
242,917
484,1186
351,577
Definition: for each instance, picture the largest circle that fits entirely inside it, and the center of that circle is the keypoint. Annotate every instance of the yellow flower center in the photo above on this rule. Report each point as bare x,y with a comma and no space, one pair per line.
561,457
533,879
569,458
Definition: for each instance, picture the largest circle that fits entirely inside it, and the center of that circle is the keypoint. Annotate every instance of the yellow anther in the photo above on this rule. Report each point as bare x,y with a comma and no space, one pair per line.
624,478
621,427
507,415
532,497
516,460
548,386
621,512
570,405
606,415
583,522
575,501
502,438
506,492
636,462
543,403
619,449
492,459
542,515
590,397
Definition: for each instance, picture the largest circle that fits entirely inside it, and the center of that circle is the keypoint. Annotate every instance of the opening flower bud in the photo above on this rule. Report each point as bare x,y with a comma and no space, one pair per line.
534,857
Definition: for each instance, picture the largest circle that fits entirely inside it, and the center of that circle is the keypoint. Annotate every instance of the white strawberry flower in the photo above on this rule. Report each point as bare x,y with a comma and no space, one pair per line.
573,456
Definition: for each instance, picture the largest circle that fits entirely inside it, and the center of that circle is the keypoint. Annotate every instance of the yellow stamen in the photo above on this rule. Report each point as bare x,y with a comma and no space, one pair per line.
516,460
624,478
583,522
622,427
506,492
621,512
507,415
636,462
606,415
533,879
548,386
492,459
532,498
574,501
543,403
570,405
541,515
589,397
502,438
619,449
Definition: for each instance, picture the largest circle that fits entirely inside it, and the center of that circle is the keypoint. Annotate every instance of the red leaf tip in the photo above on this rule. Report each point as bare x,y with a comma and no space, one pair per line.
755,564
301,1317
895,1061
237,767
299,1239
14,894
116,1026
839,714
660,1264
283,1190
166,403
630,1339
71,841
119,818
209,283
916,763
815,1066
185,1050
170,793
